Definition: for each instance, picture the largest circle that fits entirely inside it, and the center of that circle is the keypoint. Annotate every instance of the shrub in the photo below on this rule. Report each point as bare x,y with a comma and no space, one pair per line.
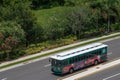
115,27
16,54
34,50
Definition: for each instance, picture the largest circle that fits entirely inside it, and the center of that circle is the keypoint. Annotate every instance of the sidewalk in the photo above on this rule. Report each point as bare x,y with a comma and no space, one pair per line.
56,49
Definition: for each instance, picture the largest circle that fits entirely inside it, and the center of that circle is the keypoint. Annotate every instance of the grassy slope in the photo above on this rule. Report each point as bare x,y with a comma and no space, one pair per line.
44,15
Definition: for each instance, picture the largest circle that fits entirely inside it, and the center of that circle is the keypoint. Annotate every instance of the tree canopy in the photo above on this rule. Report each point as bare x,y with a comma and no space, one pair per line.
20,27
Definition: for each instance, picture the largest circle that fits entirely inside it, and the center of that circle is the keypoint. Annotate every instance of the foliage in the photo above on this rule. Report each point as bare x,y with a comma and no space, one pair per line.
36,34
11,35
36,4
73,2
18,11
49,45
45,24
12,55
12,29
77,20
56,27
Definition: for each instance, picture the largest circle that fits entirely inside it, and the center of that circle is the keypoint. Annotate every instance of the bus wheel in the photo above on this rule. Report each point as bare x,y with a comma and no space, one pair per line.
71,70
95,62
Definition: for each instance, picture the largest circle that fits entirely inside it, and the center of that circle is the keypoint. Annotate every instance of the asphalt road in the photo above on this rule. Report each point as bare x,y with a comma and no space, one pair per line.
109,74
41,70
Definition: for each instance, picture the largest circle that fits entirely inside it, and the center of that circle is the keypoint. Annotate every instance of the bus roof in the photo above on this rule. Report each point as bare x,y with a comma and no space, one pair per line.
77,51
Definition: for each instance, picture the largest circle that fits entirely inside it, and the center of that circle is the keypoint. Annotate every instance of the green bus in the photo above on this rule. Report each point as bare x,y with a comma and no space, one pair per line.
78,58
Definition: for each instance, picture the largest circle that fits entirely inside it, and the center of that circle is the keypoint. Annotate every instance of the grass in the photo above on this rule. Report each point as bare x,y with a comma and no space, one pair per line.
57,51
43,16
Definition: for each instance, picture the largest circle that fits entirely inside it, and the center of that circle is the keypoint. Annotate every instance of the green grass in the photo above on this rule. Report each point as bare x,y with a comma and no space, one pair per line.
58,51
44,15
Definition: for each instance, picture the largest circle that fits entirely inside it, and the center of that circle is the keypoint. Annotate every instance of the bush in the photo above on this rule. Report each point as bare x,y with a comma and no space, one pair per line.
16,54
2,56
12,55
34,50
115,27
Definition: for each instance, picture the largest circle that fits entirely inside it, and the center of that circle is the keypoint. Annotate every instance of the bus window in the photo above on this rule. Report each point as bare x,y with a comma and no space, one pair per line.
65,62
99,52
71,60
87,56
76,59
56,62
83,57
79,58
104,50
91,55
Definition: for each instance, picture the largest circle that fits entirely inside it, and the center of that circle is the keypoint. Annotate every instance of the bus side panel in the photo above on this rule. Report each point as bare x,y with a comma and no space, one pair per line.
79,65
66,69
75,66
91,61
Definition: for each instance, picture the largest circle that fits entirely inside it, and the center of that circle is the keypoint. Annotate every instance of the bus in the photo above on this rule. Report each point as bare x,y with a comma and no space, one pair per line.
78,58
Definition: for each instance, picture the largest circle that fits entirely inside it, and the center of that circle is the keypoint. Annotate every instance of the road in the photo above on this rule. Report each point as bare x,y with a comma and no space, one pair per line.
41,70
109,74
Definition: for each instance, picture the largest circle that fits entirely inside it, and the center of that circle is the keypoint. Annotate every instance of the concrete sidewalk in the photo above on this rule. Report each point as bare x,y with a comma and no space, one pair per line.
56,49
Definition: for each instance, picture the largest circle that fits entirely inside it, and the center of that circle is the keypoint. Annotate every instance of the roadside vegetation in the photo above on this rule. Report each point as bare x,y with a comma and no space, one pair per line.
31,26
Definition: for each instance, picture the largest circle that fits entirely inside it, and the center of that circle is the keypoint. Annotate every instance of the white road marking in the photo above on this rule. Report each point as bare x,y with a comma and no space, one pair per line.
4,79
47,65
111,76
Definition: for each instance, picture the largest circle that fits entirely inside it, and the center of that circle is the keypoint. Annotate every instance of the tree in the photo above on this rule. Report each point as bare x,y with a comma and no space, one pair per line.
40,4
13,29
109,11
77,20
19,11
74,2
37,34
11,35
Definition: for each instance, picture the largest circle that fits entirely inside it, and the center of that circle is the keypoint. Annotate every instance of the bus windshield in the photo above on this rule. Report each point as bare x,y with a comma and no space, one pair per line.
56,62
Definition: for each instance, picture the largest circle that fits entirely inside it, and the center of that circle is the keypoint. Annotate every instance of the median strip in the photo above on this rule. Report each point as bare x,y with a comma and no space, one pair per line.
56,50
